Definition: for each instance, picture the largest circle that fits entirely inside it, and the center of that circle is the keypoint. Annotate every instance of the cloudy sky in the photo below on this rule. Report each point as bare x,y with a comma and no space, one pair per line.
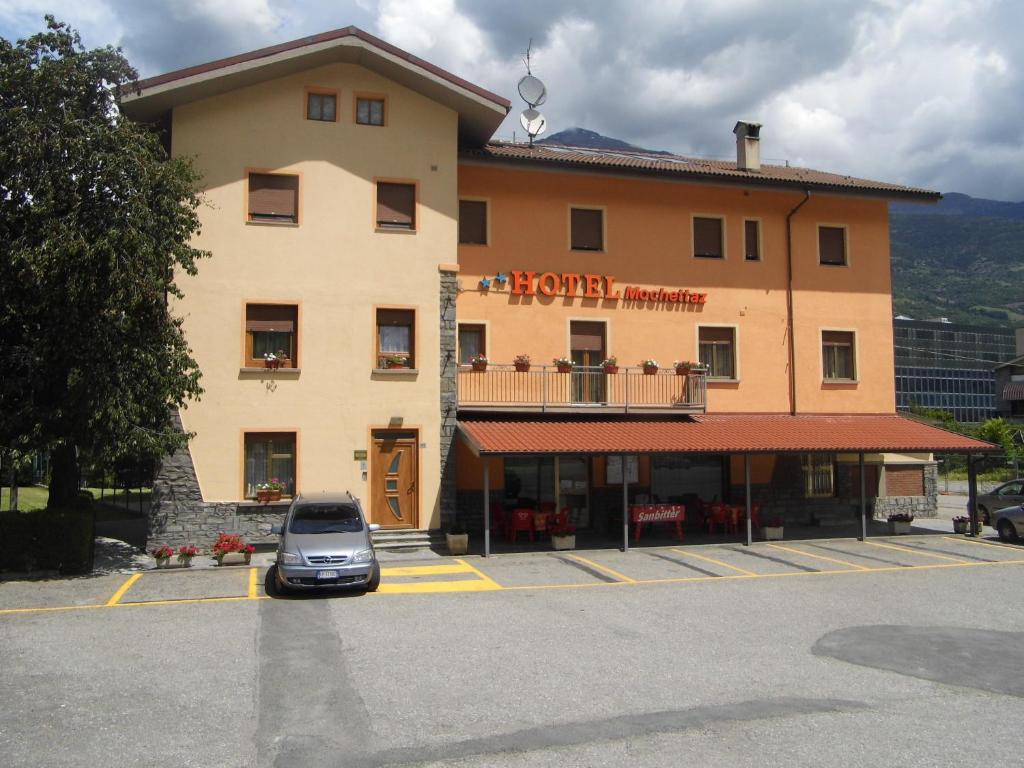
923,92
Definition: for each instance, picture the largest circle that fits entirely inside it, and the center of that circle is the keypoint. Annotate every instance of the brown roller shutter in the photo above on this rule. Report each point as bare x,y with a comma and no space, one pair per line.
587,229
707,237
837,337
396,205
832,245
273,197
473,222
716,334
587,337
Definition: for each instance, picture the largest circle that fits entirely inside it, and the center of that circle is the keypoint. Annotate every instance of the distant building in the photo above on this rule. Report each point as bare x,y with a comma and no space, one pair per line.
949,366
1010,384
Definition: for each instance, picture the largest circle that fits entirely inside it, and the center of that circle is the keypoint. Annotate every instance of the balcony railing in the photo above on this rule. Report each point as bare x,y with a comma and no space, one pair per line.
544,389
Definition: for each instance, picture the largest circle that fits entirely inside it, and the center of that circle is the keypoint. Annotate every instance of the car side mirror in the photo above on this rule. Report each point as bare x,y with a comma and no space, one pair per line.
372,527
277,529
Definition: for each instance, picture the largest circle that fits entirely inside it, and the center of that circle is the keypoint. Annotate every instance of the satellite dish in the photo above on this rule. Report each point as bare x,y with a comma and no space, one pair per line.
532,90
533,122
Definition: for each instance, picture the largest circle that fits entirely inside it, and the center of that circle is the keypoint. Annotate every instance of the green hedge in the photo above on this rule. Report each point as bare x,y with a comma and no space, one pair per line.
47,540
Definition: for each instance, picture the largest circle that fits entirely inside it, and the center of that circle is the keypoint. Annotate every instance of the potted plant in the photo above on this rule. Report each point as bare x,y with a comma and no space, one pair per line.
186,553
392,362
230,544
270,491
899,523
563,364
247,552
162,555
479,362
610,364
522,363
650,367
563,536
457,538
772,529
684,367
961,524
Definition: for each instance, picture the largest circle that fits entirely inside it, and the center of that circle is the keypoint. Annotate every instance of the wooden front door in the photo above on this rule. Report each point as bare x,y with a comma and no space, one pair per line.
394,479
587,348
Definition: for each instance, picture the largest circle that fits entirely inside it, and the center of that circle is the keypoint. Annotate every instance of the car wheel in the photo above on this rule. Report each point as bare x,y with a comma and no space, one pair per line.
1006,531
374,582
272,584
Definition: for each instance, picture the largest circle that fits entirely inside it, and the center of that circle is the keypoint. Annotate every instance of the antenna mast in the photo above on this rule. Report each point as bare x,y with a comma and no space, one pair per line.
534,93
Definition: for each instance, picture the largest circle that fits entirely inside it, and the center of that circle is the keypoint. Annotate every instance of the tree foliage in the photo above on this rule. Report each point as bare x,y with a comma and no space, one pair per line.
94,221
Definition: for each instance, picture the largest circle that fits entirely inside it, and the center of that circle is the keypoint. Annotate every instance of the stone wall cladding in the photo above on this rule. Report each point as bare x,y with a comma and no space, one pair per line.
178,515
918,506
449,404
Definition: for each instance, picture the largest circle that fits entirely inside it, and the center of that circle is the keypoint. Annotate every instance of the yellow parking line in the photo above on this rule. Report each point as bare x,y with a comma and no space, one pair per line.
253,582
492,584
473,585
116,597
716,562
426,570
1011,547
916,552
55,608
190,600
611,572
835,560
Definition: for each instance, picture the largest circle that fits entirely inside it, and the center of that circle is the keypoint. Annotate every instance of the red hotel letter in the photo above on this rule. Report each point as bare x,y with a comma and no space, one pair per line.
543,284
609,283
593,287
522,282
571,280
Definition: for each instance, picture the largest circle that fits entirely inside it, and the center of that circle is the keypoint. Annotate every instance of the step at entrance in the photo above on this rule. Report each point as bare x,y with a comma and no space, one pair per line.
408,539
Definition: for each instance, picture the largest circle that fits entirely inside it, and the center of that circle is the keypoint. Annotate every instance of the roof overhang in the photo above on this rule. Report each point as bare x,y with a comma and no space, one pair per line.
480,111
730,434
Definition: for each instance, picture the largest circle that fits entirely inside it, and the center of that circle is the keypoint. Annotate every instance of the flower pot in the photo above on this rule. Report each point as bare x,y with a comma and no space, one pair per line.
563,542
564,368
275,495
458,543
960,526
479,367
650,370
682,371
163,562
262,496
772,532
610,369
395,366
898,528
232,558
522,367
248,557
186,563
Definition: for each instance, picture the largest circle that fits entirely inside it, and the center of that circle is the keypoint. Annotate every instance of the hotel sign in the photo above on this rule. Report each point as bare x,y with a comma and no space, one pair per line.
588,286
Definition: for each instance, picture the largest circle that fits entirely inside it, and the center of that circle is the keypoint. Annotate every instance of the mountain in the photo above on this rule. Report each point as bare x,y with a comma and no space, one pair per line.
962,258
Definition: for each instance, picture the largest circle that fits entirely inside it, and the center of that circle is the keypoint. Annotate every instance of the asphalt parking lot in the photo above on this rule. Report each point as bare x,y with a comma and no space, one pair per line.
798,653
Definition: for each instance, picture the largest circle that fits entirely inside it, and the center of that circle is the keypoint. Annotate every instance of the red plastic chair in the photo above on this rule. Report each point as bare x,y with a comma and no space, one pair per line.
560,521
720,515
520,520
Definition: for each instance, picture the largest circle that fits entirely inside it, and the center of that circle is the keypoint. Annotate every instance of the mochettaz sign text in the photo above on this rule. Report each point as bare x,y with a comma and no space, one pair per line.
587,286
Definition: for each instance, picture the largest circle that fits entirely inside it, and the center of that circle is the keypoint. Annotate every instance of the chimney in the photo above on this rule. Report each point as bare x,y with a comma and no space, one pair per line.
748,146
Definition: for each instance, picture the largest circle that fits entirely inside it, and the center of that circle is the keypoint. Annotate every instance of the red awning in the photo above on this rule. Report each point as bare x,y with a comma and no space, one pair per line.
713,434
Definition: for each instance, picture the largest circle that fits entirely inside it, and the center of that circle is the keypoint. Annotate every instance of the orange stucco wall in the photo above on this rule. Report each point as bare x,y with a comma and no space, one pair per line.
648,243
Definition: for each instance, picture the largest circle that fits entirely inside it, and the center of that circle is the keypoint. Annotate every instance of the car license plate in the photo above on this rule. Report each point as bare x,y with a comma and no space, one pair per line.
327,574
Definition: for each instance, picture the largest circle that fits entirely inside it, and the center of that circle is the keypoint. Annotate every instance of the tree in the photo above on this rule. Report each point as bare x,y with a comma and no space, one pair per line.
94,220
1000,432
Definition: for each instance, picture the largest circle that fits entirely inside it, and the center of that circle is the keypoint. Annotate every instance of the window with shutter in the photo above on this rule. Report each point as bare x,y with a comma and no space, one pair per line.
472,222
708,238
717,350
396,205
586,229
269,458
274,197
752,240
472,342
837,356
396,338
832,245
271,335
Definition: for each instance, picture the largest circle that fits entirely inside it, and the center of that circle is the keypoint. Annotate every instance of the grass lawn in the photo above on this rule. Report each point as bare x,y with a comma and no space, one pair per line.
113,508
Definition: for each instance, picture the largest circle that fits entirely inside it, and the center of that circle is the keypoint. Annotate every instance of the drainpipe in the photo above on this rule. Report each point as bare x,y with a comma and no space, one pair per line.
789,302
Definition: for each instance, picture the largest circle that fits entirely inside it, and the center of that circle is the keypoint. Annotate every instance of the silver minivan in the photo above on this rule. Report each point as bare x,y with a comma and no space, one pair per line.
325,543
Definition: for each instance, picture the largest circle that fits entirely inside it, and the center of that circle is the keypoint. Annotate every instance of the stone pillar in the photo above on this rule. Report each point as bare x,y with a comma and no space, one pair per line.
449,363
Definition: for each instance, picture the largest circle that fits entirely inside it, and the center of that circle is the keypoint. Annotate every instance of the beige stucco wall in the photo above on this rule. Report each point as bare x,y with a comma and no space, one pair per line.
334,265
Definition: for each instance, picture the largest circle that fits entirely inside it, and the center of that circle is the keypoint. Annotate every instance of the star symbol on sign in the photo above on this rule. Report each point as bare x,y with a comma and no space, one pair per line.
501,277
485,283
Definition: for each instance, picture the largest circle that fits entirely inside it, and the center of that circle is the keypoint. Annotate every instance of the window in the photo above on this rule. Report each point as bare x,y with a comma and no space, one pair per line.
369,111
752,240
322,106
396,338
717,349
274,197
586,229
472,222
837,355
832,245
271,329
708,238
819,475
396,205
269,456
472,342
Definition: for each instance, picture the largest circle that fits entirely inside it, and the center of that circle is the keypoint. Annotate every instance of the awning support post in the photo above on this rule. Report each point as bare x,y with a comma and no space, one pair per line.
863,499
746,478
972,496
487,507
625,506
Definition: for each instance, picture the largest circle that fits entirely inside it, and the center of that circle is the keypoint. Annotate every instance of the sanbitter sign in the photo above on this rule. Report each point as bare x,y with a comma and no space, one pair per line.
589,286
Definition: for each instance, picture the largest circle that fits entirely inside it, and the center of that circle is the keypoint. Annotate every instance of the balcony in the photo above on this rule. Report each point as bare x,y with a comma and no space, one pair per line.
543,389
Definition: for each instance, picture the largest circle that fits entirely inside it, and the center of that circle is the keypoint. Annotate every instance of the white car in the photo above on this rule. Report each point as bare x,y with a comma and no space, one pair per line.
1009,522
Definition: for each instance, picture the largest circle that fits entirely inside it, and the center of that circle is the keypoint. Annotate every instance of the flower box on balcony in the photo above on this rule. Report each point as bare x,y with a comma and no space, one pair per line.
650,370
479,366
610,369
